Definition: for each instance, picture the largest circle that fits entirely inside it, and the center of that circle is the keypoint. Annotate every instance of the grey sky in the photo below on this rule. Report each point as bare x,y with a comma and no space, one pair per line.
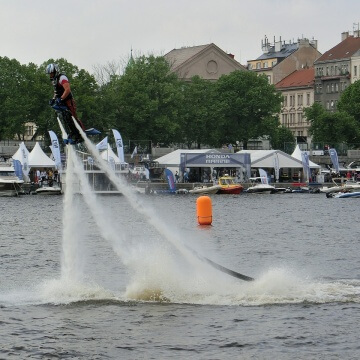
94,32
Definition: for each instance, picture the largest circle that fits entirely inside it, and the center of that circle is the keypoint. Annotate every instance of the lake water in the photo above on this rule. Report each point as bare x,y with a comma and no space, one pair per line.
106,281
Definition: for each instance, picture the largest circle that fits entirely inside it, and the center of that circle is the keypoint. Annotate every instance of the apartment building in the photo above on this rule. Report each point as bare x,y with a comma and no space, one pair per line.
336,69
298,93
280,58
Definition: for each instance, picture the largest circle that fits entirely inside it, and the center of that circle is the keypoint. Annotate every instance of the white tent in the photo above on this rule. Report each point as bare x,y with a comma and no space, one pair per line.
108,154
38,159
297,155
173,159
266,159
18,156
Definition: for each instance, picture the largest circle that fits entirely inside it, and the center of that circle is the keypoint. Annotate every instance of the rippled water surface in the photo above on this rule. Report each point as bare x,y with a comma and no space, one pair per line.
114,283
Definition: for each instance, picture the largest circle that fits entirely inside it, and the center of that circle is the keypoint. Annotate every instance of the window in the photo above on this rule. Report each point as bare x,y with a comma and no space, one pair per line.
355,70
328,88
292,100
250,66
299,118
29,130
269,79
285,101
292,119
300,100
332,88
307,99
258,65
265,65
273,63
328,105
336,87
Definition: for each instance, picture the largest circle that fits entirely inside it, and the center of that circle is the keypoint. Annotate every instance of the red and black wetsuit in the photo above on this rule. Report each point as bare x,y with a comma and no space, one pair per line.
69,101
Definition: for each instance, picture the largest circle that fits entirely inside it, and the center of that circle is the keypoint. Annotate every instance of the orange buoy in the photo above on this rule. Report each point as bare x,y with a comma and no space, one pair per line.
204,210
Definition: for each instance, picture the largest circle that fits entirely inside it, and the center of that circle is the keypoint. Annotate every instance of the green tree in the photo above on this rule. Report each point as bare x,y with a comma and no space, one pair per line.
21,96
350,101
148,100
281,137
331,127
197,123
248,106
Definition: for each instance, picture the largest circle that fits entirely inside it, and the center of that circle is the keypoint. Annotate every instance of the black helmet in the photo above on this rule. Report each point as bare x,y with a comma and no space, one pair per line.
53,68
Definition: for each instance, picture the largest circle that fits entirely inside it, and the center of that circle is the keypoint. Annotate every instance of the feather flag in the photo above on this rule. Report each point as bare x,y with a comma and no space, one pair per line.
119,145
102,145
305,164
24,160
55,149
334,159
263,176
134,152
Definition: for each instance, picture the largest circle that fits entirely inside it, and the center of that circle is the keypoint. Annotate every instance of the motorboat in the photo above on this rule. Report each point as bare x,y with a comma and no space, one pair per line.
344,194
49,189
340,184
214,189
10,184
259,187
229,186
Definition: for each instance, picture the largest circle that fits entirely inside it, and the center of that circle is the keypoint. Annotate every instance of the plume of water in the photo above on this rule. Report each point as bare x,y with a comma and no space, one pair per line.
163,229
72,231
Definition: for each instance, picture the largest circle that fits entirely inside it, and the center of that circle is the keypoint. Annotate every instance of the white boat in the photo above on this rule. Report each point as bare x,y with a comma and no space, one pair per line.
260,185
10,184
340,185
214,189
346,194
46,189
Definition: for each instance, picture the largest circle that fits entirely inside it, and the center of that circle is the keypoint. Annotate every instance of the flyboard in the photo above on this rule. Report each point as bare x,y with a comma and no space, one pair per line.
70,133
221,268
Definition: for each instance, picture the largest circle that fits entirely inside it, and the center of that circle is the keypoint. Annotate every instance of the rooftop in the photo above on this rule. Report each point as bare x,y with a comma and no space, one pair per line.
343,50
299,78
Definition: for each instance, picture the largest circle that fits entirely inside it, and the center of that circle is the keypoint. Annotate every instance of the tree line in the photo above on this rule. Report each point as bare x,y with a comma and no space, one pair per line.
148,102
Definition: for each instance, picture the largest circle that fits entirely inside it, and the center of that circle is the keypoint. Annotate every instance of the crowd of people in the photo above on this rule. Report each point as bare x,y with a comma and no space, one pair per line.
44,176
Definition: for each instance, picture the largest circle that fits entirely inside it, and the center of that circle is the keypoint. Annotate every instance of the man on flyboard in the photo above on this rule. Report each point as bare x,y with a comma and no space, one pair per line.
64,102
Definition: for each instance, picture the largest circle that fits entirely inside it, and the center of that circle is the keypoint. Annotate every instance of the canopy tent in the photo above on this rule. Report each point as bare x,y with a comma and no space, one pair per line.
18,155
38,159
173,159
183,159
297,155
267,158
109,154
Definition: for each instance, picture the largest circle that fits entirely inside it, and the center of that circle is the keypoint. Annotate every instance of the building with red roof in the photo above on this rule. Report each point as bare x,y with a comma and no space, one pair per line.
336,69
298,93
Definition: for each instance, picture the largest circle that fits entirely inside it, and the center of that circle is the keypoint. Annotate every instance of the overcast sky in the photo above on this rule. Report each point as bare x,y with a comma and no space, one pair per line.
89,33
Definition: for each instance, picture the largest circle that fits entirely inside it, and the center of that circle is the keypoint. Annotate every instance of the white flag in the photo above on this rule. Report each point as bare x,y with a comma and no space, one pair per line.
24,153
102,145
119,145
305,164
55,149
134,152
263,176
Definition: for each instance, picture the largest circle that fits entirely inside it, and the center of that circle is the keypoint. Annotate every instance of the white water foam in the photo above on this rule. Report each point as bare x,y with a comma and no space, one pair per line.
162,273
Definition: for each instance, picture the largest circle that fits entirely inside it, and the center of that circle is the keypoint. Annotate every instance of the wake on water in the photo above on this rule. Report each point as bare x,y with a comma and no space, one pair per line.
164,270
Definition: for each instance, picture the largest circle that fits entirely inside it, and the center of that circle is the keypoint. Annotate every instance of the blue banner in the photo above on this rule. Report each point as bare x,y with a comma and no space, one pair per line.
18,169
170,179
